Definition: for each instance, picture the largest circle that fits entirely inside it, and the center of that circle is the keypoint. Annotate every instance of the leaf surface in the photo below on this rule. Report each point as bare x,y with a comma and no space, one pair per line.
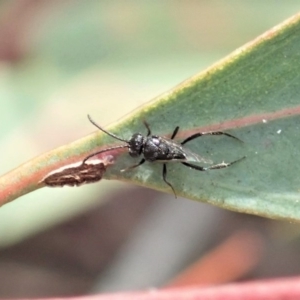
253,94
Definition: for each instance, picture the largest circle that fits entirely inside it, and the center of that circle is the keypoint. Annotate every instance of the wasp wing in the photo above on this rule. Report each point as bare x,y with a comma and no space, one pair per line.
181,153
193,157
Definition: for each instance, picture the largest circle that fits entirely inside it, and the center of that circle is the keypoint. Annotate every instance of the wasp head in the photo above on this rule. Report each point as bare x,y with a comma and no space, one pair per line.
136,144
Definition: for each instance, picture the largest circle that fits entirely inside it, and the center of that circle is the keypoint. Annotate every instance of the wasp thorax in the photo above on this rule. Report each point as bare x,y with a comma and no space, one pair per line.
136,145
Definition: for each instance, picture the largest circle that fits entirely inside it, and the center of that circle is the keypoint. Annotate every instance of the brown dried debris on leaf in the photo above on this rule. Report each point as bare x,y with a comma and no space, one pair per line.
76,174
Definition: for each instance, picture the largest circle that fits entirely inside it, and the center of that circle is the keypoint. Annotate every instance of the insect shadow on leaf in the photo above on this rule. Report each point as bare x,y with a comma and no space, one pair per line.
154,148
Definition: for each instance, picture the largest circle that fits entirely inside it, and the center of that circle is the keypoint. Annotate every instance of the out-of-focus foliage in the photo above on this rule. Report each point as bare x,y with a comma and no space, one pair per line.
63,59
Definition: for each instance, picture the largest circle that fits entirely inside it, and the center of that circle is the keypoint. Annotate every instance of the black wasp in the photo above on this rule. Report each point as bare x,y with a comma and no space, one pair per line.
155,148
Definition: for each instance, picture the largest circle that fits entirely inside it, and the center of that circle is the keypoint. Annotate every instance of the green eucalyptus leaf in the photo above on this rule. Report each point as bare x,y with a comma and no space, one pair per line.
253,94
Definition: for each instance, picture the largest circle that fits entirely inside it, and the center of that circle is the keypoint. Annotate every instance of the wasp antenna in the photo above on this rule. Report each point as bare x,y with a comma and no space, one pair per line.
102,151
102,129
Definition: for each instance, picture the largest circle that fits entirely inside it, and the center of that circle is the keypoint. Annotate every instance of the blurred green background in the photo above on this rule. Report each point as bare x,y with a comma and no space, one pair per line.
63,59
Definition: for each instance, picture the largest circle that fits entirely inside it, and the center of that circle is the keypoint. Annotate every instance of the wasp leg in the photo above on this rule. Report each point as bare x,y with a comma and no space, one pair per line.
199,134
102,151
134,166
214,167
148,127
174,132
164,174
